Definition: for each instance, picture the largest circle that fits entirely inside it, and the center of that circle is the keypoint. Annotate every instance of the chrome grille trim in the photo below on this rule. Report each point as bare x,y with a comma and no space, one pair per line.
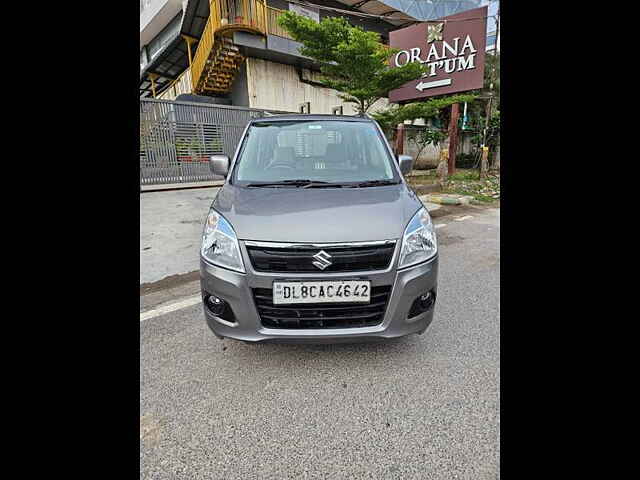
251,243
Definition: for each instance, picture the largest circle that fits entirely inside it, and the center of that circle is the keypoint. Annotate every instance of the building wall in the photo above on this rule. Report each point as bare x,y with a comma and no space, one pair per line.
430,156
239,93
277,86
154,16
161,40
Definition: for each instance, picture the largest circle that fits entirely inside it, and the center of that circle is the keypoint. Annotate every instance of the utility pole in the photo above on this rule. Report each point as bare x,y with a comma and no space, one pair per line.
497,28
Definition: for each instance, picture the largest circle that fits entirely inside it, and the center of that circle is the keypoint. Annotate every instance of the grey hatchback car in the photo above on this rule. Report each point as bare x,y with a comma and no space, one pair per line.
315,236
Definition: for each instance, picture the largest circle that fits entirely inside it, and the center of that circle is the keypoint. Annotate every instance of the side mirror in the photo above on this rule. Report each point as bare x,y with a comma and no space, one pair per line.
219,165
406,163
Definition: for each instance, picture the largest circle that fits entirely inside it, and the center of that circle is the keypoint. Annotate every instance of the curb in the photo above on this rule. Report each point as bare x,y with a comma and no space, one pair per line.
181,186
449,199
420,172
421,189
428,205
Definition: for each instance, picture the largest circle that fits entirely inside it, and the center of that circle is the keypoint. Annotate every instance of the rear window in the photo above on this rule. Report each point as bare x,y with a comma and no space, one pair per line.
328,151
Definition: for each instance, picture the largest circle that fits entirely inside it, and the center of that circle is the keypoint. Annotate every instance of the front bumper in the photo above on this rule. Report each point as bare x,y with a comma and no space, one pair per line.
236,289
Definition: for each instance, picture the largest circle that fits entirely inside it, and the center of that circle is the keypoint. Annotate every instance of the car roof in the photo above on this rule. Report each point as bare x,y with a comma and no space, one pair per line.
290,117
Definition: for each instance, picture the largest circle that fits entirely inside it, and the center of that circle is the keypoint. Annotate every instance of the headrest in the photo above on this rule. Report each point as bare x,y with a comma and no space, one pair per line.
284,155
335,153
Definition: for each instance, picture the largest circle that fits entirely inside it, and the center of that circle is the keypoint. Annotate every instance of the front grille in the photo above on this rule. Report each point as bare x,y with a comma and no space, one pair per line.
321,315
301,259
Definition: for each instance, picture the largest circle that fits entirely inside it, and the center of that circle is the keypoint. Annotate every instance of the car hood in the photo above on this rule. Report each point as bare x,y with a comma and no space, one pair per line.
317,214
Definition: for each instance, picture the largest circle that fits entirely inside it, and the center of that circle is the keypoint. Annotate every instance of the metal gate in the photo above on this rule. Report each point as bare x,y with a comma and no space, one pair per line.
177,138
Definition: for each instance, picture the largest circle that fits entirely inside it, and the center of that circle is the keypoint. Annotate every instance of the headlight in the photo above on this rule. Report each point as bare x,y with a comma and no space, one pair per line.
220,244
419,243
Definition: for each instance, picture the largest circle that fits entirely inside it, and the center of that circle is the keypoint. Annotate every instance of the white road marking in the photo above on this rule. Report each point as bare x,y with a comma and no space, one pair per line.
466,217
440,225
172,307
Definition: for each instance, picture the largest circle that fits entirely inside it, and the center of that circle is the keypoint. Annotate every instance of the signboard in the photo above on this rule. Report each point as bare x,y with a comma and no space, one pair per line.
452,49
309,12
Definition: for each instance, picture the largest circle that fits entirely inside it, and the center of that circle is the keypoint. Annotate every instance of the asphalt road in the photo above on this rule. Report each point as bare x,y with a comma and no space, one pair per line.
170,231
418,407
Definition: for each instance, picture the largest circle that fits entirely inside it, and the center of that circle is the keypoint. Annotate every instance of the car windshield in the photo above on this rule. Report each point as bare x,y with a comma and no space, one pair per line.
314,153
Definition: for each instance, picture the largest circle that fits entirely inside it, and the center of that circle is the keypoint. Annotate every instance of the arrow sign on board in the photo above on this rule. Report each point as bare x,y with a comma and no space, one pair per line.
437,83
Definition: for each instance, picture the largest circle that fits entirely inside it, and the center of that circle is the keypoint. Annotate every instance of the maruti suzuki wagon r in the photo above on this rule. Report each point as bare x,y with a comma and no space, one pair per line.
316,237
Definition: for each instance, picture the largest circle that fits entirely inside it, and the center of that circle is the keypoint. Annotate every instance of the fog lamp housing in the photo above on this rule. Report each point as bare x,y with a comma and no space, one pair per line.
422,303
218,307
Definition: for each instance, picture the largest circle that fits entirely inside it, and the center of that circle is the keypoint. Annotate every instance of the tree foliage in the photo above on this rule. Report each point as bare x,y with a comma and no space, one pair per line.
492,76
396,114
352,61
493,131
477,110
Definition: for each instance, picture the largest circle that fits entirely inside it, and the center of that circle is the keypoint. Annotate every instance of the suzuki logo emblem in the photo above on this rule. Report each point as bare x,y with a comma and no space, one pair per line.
322,260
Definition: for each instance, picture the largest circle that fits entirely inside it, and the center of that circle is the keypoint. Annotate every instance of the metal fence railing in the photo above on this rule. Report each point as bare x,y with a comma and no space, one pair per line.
273,27
177,138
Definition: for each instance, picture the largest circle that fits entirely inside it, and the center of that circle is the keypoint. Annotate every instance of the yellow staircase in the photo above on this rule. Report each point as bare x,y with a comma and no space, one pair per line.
220,69
217,59
213,67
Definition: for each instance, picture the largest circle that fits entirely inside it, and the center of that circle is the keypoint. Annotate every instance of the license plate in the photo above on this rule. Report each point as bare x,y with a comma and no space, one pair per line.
339,291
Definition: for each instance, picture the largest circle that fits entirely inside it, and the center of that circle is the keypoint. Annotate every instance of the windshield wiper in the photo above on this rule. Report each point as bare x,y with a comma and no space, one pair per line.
294,183
299,182
320,184
375,183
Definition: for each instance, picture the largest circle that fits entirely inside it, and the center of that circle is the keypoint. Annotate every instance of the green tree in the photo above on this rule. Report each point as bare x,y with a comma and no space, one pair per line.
477,111
352,61
392,116
492,77
493,131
